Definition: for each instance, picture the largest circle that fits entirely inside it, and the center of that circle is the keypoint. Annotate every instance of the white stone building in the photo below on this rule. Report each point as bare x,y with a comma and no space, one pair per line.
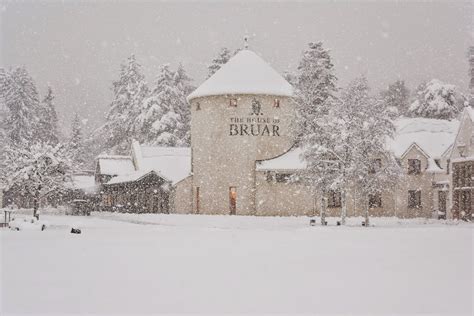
242,155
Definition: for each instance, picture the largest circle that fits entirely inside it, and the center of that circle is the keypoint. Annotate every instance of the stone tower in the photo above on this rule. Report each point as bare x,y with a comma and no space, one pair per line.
243,113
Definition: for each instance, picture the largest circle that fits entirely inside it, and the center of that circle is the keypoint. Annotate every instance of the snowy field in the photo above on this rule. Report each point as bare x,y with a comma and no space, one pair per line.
134,264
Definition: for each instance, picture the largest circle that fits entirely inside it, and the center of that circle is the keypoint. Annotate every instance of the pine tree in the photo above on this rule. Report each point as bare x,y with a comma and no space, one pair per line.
222,57
129,92
163,120
184,86
76,143
48,120
316,88
20,96
436,100
397,96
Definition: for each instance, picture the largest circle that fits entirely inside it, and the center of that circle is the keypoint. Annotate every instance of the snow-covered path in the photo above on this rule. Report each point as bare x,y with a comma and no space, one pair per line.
215,264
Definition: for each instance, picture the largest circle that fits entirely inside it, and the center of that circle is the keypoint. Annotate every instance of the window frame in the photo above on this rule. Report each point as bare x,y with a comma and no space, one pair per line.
334,199
375,200
414,166
415,200
375,165
276,103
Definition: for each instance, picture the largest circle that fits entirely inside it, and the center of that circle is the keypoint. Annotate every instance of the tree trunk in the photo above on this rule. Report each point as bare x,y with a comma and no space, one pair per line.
343,208
323,210
36,201
367,212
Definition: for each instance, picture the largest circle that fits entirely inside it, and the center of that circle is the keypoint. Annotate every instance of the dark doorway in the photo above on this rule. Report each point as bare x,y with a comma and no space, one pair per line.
442,195
233,200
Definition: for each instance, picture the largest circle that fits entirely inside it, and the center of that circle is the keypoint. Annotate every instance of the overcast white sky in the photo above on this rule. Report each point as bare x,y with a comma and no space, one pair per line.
77,47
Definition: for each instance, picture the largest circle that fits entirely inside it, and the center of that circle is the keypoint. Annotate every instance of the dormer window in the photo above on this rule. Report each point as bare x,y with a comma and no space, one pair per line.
233,103
414,166
375,166
276,103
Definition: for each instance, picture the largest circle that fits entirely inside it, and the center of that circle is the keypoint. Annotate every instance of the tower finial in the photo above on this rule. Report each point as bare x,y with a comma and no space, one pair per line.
246,42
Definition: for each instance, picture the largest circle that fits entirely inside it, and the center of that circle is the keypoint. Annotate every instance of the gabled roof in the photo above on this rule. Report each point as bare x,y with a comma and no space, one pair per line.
245,73
135,176
173,163
115,165
468,112
417,147
433,136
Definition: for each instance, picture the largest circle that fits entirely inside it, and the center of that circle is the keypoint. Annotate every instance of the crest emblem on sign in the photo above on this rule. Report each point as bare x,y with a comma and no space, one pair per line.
256,107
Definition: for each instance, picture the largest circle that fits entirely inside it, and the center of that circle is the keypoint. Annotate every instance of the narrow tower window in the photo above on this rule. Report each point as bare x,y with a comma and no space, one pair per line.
276,103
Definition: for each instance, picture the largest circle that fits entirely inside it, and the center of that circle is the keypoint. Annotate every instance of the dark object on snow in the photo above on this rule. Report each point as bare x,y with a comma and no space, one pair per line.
75,231
338,223
43,227
325,223
312,222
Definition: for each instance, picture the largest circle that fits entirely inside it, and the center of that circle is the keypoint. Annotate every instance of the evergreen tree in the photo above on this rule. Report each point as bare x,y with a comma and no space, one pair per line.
129,92
436,100
164,118
184,86
222,57
397,96
76,143
48,120
316,88
20,97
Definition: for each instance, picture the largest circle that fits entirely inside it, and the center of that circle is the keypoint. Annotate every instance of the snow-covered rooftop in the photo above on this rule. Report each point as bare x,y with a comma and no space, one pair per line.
171,163
83,182
434,137
133,176
245,73
115,165
290,160
174,163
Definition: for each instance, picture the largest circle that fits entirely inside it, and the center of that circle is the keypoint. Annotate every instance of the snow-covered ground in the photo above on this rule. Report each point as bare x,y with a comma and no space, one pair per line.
133,264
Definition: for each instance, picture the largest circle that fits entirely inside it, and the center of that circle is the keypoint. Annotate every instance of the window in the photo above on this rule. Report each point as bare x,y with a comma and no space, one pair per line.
375,200
414,166
375,166
233,103
282,177
107,200
414,199
270,176
334,199
198,106
276,103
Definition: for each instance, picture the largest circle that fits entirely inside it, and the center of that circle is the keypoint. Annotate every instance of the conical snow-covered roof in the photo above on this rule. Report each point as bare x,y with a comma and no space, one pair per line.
245,73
